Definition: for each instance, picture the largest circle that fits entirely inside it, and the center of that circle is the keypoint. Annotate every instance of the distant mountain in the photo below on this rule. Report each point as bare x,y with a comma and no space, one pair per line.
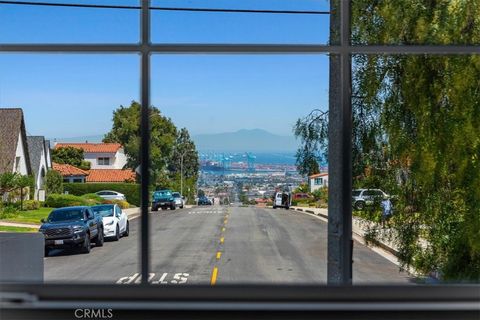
255,140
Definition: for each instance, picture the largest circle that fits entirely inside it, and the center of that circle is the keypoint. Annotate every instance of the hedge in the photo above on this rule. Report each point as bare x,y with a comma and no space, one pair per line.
130,190
65,200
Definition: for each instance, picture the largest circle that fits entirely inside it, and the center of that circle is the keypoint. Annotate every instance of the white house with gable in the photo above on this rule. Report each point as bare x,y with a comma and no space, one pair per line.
100,155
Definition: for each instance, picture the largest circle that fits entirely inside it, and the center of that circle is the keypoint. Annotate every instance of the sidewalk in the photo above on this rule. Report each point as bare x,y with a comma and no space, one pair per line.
359,228
22,225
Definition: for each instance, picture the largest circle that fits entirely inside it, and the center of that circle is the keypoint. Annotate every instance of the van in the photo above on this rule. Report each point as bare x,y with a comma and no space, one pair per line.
282,200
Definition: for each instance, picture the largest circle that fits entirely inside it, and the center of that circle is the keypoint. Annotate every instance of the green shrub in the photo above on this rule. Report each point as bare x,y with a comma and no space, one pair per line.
9,212
92,196
130,190
31,205
54,182
122,204
65,200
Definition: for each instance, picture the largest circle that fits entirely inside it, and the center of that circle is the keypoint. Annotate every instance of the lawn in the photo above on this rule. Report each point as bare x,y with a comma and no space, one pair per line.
32,216
16,229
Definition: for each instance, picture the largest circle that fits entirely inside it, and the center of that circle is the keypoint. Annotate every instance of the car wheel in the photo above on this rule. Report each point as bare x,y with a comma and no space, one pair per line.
154,208
86,244
47,251
127,230
99,239
359,205
117,234
181,207
274,207
173,207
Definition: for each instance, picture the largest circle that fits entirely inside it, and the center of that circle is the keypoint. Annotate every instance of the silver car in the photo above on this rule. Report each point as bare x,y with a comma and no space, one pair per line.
179,200
111,195
367,197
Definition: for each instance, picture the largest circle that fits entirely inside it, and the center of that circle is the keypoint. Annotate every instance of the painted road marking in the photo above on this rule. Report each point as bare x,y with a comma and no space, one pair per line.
223,229
219,254
222,240
163,278
213,280
205,211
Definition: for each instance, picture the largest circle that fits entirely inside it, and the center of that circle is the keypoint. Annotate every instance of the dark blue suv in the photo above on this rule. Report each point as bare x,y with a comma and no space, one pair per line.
72,227
163,199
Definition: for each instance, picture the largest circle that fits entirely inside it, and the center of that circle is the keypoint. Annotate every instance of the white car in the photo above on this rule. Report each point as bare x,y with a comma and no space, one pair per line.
115,221
179,200
111,195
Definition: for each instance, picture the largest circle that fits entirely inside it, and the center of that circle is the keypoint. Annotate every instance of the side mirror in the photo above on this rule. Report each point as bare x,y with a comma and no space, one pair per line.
42,220
183,197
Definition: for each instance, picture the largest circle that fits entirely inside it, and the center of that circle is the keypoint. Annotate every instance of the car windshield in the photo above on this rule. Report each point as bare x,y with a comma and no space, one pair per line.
356,193
176,195
161,194
104,211
65,215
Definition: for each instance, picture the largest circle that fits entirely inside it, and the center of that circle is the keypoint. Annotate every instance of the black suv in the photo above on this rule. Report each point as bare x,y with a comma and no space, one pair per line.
72,227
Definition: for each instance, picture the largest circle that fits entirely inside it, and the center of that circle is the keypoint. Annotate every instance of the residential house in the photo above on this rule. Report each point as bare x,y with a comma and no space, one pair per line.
317,181
107,161
100,155
71,174
40,163
110,175
14,155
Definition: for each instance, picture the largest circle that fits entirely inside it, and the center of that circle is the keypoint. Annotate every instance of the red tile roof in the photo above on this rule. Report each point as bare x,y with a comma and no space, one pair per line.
318,175
67,170
111,175
92,147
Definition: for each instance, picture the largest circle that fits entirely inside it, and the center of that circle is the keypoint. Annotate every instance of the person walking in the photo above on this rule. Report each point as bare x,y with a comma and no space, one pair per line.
386,209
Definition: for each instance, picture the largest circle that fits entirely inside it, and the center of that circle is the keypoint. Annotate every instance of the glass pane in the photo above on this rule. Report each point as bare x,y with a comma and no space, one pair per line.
56,122
415,22
229,27
416,137
56,24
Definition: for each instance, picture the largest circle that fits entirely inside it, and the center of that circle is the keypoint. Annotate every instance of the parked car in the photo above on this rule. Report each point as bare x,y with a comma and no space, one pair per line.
362,198
282,200
115,221
204,201
301,195
179,199
163,199
72,227
111,195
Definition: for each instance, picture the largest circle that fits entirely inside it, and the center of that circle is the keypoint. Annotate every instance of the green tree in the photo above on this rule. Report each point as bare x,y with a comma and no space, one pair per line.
22,182
70,155
7,182
312,131
184,160
416,130
421,139
126,131
54,182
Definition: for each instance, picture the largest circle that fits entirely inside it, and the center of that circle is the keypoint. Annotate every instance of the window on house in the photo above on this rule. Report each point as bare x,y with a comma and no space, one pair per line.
103,161
318,181
77,180
17,164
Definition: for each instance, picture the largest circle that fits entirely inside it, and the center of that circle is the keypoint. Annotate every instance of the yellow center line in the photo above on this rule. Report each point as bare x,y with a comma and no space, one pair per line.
225,221
223,229
219,254
213,280
222,239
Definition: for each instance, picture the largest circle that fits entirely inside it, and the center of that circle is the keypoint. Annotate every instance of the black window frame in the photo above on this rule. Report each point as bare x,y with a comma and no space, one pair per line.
340,182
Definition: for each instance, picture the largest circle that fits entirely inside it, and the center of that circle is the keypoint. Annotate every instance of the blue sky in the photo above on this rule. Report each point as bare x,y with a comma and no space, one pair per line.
75,95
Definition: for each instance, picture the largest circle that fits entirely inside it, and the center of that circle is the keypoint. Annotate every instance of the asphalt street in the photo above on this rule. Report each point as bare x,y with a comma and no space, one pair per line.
220,245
